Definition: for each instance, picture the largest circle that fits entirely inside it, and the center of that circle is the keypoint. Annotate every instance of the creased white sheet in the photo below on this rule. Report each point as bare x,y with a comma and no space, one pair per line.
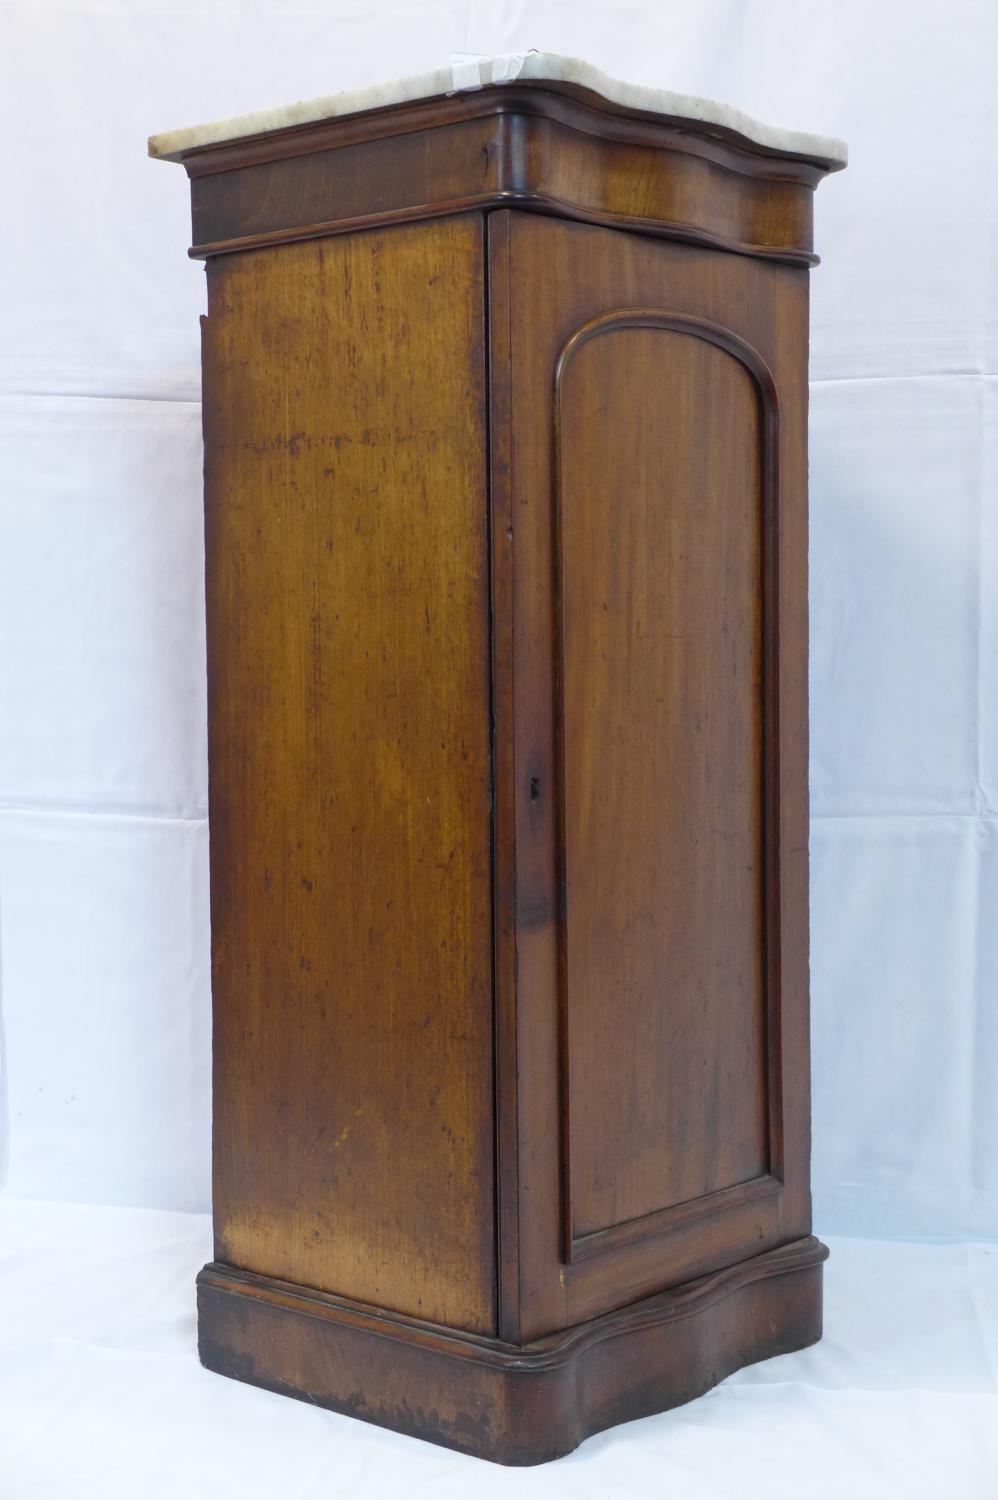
102,1398
104,1005
103,901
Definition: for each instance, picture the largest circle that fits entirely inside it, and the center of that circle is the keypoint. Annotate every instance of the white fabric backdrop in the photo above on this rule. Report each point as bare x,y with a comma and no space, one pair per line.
102,1397
103,837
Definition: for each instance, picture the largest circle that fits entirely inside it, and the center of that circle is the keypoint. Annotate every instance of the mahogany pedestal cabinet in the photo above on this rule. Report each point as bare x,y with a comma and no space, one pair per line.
505,397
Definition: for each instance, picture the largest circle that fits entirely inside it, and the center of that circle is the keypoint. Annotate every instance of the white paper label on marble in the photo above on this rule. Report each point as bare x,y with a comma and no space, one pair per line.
467,68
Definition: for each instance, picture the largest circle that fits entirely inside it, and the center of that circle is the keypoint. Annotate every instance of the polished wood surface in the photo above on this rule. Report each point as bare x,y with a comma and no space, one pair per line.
506,526
349,764
659,653
515,1403
552,149
666,479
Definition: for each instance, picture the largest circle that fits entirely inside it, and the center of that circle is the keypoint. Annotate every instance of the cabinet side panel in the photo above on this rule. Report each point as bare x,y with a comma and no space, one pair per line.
347,584
659,560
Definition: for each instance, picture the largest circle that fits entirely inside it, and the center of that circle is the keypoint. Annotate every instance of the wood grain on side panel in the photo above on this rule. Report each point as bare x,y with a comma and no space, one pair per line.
348,638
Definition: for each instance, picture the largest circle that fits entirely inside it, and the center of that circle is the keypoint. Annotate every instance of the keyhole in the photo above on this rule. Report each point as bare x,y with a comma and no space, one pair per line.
535,788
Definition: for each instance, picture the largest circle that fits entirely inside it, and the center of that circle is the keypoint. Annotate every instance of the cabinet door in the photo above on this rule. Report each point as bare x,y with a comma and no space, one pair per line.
649,600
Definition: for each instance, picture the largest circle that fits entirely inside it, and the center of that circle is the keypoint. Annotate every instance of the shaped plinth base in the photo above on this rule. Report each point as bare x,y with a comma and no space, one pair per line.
513,1405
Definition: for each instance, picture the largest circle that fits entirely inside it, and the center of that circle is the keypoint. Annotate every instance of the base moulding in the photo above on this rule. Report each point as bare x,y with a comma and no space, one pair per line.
507,1403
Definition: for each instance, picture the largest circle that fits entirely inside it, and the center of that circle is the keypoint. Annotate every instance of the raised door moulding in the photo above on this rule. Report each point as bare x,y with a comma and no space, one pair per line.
583,1246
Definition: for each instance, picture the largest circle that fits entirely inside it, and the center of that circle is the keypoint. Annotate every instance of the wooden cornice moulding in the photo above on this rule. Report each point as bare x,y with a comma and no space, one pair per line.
505,424
547,145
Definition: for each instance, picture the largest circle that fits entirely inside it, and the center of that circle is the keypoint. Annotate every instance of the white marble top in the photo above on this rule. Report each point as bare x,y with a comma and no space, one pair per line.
467,71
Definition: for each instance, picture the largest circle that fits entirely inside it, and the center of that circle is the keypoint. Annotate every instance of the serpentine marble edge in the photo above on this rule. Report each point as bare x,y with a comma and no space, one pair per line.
468,71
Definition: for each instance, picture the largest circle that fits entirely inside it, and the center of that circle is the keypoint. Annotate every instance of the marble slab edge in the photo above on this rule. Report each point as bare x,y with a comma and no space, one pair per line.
465,74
